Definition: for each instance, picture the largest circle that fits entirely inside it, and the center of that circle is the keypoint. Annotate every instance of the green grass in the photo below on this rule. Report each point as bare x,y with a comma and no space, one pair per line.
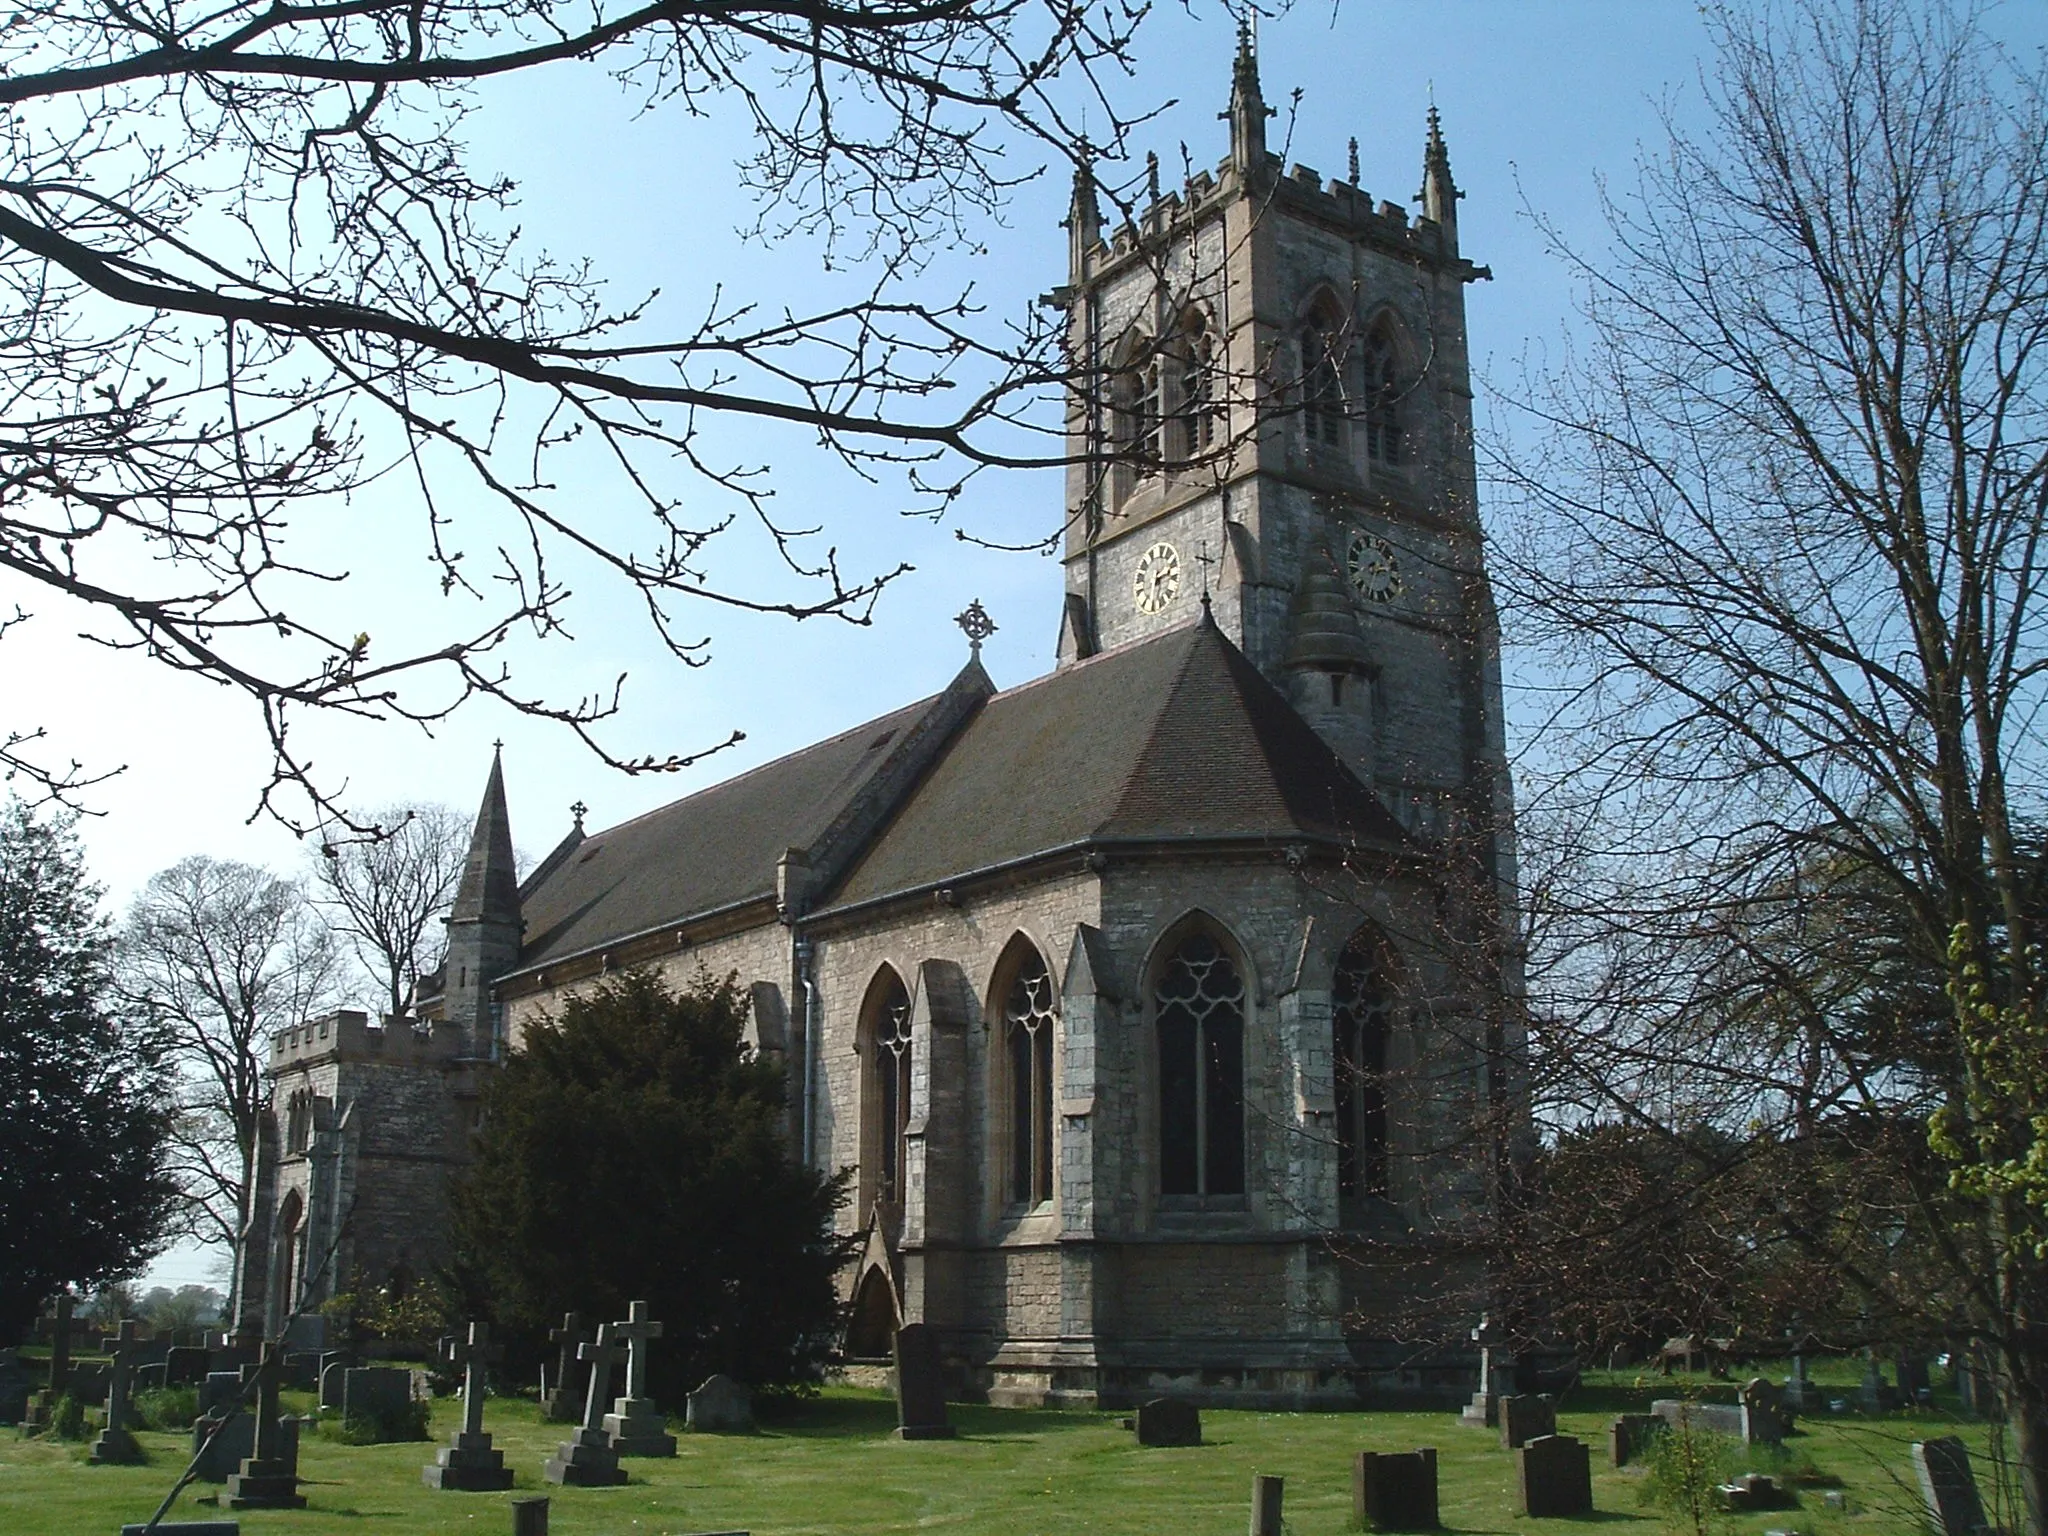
831,1465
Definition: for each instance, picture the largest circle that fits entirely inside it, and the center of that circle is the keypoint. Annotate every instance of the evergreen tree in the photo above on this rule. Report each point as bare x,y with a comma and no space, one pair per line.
633,1148
84,1191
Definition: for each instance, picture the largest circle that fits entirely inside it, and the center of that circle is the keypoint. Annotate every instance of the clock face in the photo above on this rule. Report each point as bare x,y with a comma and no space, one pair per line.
1158,580
1370,564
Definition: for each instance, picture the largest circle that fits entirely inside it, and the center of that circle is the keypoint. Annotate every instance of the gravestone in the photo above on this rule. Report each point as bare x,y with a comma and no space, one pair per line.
1874,1396
1269,1496
588,1461
14,1380
635,1426
184,1366
1948,1487
1766,1420
469,1464
149,1378
1496,1374
1394,1490
559,1403
1554,1476
920,1385
1524,1418
185,1528
301,1372
116,1444
721,1406
333,1381
1168,1421
269,1476
1751,1491
1801,1396
1630,1435
1913,1377
379,1395
60,1348
224,1435
1721,1418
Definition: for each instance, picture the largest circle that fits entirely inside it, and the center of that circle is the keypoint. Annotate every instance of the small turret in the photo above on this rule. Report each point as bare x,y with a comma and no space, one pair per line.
1083,222
1439,195
484,928
1248,110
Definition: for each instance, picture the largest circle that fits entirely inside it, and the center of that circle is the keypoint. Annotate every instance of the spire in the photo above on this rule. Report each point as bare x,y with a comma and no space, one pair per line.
1248,110
1084,217
1439,195
490,880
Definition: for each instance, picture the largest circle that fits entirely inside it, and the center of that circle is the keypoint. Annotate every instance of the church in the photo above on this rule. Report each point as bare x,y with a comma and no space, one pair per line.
1163,1004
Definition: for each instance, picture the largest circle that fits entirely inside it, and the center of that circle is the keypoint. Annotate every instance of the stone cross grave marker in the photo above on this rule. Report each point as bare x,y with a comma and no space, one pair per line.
269,1479
1165,1421
558,1394
223,1435
1496,1373
635,1426
588,1460
1948,1487
920,1385
60,1346
721,1406
468,1464
116,1446
1394,1491
1554,1477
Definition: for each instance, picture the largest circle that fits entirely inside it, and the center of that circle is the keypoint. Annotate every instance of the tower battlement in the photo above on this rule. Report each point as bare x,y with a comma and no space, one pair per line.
349,1036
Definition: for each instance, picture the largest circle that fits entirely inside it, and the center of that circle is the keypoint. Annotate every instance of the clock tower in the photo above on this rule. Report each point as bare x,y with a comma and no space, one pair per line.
1277,417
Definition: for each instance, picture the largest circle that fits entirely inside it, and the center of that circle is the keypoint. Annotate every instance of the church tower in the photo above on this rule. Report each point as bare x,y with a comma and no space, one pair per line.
484,929
1282,425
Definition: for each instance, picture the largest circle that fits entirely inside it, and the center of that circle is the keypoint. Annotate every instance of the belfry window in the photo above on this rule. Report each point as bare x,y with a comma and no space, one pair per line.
1195,404
1382,398
1199,1007
1359,1013
887,1098
1322,381
1028,1022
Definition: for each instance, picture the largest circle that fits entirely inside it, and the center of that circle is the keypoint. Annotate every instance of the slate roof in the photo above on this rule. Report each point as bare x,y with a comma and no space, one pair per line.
1174,737
714,849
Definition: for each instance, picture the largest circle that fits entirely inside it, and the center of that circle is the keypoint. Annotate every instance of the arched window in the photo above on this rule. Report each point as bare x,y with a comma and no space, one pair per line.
1382,397
1195,407
298,1122
289,1253
1360,1008
886,1093
1199,1004
1322,379
1134,414
1028,1021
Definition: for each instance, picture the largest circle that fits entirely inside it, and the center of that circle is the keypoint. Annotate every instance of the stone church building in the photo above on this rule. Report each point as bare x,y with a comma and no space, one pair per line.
1161,1003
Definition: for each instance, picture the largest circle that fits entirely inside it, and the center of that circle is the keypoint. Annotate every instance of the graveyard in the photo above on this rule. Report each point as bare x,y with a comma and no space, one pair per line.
836,1463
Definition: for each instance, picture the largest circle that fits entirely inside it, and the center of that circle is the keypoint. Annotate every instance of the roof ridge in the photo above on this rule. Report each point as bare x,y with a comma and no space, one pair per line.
1121,648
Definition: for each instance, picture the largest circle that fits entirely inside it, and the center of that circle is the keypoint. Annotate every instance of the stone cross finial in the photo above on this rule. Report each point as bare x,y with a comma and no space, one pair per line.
602,1353
571,1336
579,810
976,623
638,1330
122,1346
1354,161
474,1357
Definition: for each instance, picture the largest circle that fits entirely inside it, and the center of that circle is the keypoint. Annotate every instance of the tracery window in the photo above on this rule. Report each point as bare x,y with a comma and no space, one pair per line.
888,1087
1360,1009
1382,398
1199,1005
1322,380
1028,1023
1196,407
298,1122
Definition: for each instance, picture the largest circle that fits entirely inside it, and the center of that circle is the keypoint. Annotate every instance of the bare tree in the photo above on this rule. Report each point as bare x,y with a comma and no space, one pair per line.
248,271
1780,536
220,955
387,894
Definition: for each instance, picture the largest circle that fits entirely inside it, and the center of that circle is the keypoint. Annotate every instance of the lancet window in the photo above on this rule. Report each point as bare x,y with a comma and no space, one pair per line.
1360,1010
887,1098
1322,379
1382,398
1028,1025
1198,1004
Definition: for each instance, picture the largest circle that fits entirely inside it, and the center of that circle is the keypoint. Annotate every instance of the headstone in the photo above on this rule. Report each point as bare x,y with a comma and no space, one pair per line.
1948,1487
116,1444
1524,1418
60,1347
184,1366
1269,1495
223,1436
530,1516
920,1385
1721,1418
1554,1476
559,1403
1765,1418
14,1382
721,1406
333,1379
1751,1491
588,1460
376,1394
185,1528
1629,1436
1496,1374
269,1477
1168,1421
150,1378
1874,1396
1913,1376
1394,1490
635,1426
301,1372
469,1464
1801,1396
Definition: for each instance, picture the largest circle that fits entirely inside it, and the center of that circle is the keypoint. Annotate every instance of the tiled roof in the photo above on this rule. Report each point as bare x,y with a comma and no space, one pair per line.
1174,737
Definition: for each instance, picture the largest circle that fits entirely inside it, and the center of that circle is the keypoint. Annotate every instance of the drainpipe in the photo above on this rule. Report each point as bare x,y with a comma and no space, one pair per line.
811,1031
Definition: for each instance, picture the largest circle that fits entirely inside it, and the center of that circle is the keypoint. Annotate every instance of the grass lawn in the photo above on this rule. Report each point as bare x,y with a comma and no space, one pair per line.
831,1465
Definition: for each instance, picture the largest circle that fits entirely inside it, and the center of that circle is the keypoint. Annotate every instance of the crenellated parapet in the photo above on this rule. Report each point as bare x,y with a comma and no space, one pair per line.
349,1036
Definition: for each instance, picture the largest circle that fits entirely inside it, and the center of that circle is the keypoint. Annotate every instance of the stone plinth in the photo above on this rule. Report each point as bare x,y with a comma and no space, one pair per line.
114,1448
469,1465
588,1461
635,1427
261,1484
